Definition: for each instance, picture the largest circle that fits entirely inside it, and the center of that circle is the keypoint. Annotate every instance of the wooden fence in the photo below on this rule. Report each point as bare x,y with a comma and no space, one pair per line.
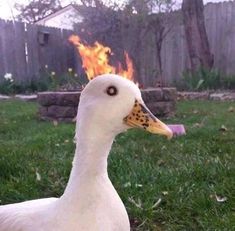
220,26
26,49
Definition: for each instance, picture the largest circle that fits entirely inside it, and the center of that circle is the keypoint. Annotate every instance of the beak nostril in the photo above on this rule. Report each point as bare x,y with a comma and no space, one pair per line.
141,117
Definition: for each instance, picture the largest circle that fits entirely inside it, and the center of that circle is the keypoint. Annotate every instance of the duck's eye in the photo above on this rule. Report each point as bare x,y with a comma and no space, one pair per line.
112,90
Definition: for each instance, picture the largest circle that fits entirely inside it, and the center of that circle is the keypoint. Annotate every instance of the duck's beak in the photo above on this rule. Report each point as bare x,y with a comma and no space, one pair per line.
141,117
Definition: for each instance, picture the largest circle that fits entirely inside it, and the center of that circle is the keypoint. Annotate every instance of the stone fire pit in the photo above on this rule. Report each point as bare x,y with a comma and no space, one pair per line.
62,106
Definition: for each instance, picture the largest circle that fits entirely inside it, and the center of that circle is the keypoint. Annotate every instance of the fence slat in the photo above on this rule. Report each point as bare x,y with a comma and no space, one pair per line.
7,42
33,59
20,55
2,53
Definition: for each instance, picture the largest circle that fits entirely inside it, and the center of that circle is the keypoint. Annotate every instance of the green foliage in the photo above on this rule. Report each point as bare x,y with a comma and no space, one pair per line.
200,80
229,82
186,173
17,88
69,81
7,87
205,80
47,81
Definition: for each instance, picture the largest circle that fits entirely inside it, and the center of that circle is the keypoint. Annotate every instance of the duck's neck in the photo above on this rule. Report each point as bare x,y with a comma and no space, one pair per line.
90,160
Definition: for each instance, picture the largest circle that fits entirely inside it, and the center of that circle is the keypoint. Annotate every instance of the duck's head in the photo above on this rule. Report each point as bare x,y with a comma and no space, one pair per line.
110,103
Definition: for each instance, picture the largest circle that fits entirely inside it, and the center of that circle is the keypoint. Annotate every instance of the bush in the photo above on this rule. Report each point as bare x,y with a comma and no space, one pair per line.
11,88
200,80
47,81
7,86
229,82
205,80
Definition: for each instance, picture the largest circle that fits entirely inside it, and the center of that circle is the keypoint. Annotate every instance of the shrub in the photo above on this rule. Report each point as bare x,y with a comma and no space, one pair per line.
7,86
48,81
202,79
205,80
229,82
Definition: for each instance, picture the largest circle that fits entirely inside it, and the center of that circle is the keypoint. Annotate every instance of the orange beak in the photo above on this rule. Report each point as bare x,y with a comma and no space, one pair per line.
141,117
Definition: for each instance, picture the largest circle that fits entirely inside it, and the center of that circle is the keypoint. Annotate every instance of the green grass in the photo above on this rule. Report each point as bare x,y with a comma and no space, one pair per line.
185,173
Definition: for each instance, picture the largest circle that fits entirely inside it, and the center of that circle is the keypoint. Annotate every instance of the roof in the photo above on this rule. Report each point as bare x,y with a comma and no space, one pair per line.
58,12
80,8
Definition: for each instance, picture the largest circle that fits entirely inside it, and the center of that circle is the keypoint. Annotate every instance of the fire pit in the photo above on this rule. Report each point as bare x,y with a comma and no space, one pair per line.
62,106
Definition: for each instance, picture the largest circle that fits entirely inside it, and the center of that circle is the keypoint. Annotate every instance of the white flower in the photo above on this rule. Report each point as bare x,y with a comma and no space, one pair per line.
8,76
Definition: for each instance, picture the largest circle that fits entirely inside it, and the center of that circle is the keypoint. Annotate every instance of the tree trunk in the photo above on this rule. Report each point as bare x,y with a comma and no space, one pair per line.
196,36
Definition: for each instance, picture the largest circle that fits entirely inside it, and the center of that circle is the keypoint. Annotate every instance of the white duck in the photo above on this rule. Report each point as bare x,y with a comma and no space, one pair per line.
109,104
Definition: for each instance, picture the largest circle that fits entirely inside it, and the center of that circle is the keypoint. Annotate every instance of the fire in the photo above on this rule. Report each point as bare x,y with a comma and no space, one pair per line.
95,60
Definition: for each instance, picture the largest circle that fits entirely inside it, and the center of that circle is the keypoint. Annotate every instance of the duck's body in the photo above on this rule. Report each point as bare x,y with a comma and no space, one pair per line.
29,215
90,202
98,210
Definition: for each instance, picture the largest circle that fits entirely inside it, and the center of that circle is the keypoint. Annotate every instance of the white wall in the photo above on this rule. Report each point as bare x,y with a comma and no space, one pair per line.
64,20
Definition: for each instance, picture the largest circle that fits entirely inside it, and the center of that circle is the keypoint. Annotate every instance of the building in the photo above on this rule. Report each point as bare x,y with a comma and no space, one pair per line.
64,18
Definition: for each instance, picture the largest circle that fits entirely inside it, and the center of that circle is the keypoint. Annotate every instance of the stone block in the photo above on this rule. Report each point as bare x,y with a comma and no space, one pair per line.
68,99
162,108
42,111
152,95
59,98
4,97
169,94
193,95
26,97
56,111
47,98
159,94
226,96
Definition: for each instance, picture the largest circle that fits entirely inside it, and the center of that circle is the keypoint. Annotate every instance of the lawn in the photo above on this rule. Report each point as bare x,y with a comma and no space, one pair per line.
187,183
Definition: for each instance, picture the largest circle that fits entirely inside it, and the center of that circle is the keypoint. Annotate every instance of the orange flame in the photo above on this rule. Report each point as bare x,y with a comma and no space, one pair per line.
95,60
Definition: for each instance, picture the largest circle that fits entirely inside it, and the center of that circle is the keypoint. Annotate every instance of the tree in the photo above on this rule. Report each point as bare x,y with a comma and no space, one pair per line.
93,3
136,22
152,6
37,9
139,7
196,36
